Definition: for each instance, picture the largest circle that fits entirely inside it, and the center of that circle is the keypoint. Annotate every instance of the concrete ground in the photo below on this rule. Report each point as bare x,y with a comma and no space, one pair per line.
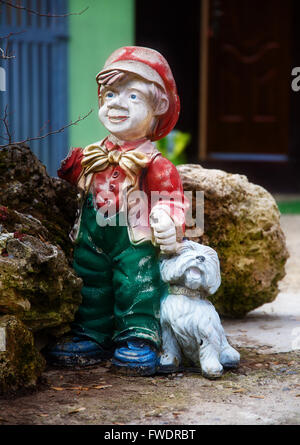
265,389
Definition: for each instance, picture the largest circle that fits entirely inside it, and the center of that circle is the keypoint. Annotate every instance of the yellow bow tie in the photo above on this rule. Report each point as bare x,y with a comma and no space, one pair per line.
97,158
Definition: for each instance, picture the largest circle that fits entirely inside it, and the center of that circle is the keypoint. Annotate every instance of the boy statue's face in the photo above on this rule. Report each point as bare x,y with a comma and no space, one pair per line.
125,109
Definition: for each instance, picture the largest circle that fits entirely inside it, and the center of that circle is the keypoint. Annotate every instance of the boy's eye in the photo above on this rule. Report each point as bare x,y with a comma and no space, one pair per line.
110,94
133,96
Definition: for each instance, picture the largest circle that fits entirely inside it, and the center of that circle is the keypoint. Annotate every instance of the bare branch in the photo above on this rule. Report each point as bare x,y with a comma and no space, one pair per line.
32,11
11,33
4,53
60,130
6,126
44,126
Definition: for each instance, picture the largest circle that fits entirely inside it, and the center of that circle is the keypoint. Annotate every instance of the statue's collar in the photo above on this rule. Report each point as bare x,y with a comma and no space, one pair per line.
112,143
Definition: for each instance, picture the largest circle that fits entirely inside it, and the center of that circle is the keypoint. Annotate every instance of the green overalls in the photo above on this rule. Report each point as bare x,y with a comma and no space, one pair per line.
122,286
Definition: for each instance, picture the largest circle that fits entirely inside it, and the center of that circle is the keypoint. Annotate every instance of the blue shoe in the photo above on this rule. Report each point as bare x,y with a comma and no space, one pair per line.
75,351
136,357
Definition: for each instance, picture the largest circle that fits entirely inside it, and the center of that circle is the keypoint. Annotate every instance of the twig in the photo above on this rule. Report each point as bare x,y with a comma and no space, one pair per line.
44,126
32,11
5,123
4,54
12,33
4,120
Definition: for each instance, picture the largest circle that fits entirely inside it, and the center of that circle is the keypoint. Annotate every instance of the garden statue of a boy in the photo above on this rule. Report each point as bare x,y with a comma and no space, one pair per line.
118,262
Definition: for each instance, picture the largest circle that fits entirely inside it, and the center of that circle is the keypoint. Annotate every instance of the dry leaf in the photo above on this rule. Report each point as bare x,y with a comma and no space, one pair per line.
102,386
77,410
297,395
153,414
239,390
57,388
257,397
150,413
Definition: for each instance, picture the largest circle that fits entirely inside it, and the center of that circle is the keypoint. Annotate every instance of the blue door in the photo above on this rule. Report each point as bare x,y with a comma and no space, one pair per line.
35,79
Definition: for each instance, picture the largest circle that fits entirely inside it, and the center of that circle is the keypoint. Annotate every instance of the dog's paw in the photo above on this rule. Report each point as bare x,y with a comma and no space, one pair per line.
211,369
229,357
168,363
169,359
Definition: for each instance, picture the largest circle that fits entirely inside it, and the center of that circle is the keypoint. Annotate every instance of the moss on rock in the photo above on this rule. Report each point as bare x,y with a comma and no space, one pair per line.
20,363
39,290
37,284
26,187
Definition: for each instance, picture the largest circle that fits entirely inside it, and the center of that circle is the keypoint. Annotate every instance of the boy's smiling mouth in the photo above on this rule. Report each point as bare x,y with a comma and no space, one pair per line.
117,118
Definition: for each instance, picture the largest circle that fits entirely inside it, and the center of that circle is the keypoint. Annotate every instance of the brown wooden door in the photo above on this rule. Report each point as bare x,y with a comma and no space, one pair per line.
249,76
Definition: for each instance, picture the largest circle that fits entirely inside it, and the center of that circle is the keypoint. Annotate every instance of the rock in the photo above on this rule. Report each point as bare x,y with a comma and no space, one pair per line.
26,187
242,223
37,283
39,290
21,364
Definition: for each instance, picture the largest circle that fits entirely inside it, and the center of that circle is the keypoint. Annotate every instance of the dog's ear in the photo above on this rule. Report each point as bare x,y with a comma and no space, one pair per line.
213,273
213,281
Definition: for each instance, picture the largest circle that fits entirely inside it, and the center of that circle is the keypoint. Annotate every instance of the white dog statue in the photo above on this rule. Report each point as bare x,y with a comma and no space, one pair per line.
190,323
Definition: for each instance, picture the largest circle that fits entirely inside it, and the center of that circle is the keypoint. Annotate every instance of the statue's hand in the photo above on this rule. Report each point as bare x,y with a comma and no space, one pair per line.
164,230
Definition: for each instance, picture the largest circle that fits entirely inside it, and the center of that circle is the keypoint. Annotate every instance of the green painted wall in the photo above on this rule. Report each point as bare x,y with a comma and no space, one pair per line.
94,35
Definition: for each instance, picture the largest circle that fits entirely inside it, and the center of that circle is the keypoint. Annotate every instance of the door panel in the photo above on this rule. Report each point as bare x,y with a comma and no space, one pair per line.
249,77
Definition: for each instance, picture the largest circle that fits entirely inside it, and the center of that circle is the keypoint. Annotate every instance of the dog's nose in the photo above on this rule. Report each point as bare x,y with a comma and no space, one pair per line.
200,258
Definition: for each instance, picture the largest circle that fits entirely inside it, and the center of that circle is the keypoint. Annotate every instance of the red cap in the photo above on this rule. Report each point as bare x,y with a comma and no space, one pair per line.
153,67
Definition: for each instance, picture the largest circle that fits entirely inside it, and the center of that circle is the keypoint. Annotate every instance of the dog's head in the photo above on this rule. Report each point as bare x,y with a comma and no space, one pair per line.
195,266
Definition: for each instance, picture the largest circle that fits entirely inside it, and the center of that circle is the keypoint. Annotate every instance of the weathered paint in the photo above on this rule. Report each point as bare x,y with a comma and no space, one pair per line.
190,323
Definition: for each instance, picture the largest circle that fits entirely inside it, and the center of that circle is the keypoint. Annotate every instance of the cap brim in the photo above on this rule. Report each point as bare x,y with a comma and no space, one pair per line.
135,67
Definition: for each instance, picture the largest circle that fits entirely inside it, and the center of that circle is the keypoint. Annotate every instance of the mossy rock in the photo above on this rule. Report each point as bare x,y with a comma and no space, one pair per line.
242,223
39,290
37,284
25,186
21,364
